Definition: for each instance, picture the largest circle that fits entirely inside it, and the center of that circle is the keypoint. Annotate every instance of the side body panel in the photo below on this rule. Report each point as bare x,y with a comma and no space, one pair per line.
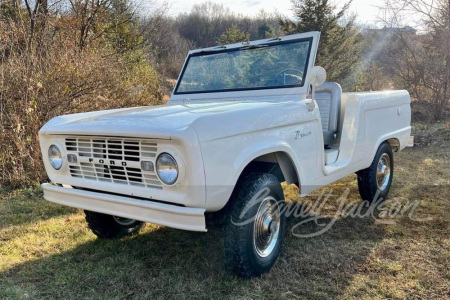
368,119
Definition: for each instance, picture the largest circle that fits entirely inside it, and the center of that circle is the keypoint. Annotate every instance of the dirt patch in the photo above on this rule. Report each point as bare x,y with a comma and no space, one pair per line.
436,135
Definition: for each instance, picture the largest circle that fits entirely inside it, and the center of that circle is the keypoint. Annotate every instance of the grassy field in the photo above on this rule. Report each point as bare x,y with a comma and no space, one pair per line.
47,251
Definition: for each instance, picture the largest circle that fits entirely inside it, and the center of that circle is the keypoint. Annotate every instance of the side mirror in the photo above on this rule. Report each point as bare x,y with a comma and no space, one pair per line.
317,75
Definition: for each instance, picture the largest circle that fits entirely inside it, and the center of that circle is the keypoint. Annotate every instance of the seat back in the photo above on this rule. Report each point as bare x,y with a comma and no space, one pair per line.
328,98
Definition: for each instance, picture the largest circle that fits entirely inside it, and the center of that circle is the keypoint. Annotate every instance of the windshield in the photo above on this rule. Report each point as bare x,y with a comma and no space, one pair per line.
253,67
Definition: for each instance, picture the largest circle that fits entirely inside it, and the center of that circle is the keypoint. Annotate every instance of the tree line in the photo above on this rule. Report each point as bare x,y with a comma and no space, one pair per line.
67,56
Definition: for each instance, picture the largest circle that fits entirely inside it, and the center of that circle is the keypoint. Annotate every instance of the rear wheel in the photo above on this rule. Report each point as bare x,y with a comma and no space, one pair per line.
254,227
375,182
111,227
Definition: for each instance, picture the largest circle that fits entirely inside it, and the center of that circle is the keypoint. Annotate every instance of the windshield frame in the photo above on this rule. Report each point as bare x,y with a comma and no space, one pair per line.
213,51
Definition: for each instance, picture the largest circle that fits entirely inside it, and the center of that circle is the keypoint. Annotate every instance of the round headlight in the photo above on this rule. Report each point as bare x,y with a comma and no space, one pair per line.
167,168
55,157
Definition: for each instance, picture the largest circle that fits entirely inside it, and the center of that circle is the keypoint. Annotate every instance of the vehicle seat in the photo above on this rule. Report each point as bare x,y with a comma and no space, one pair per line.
328,98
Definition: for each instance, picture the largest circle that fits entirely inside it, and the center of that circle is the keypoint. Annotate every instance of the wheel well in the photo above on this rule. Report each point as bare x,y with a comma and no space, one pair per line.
279,164
395,144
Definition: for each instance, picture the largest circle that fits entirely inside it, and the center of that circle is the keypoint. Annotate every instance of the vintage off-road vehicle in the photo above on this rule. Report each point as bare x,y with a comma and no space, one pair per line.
242,119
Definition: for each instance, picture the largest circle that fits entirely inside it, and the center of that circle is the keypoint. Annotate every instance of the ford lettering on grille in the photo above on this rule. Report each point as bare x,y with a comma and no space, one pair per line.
109,162
114,160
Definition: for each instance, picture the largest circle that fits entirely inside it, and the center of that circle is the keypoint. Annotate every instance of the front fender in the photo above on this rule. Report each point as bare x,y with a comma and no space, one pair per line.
225,159
248,155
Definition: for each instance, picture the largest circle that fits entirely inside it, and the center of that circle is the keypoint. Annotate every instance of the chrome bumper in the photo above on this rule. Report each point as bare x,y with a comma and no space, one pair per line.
186,218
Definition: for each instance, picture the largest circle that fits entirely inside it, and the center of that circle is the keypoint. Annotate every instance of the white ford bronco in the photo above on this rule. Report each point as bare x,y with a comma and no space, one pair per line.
242,119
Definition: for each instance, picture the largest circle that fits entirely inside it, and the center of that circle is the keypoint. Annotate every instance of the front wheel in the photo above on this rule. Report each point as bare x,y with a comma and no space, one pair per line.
255,225
111,227
375,181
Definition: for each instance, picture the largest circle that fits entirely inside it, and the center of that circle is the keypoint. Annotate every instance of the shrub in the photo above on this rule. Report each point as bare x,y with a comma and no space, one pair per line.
44,73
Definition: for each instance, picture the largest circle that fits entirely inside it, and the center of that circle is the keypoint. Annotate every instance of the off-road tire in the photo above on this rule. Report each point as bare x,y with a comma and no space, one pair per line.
240,252
367,178
106,227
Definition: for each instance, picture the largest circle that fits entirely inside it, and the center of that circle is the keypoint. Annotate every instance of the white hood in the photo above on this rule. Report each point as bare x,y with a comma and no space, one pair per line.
211,120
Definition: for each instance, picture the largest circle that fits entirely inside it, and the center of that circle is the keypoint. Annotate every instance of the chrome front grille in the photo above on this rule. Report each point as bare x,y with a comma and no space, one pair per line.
110,159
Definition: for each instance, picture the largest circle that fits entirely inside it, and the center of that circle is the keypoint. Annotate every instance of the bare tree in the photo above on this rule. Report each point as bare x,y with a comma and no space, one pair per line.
65,56
421,63
206,22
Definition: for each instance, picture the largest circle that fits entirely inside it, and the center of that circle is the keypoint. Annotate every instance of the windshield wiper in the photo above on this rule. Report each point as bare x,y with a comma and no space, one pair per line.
223,48
253,47
275,39
214,50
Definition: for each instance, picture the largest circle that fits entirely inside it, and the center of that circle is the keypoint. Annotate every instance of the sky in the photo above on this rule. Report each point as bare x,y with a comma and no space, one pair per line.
367,10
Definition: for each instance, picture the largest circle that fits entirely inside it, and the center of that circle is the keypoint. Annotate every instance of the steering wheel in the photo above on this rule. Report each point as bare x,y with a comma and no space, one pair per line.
291,76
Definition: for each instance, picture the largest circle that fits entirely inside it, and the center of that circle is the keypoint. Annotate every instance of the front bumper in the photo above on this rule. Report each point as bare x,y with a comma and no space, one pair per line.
186,218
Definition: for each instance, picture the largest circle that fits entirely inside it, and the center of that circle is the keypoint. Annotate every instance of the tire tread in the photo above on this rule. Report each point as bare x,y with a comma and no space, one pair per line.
238,258
367,184
104,226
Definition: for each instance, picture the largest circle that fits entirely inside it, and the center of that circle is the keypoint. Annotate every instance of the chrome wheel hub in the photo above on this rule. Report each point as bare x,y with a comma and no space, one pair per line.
266,227
383,172
123,221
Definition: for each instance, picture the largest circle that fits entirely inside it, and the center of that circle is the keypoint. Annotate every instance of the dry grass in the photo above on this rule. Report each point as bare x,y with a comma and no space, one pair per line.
47,252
